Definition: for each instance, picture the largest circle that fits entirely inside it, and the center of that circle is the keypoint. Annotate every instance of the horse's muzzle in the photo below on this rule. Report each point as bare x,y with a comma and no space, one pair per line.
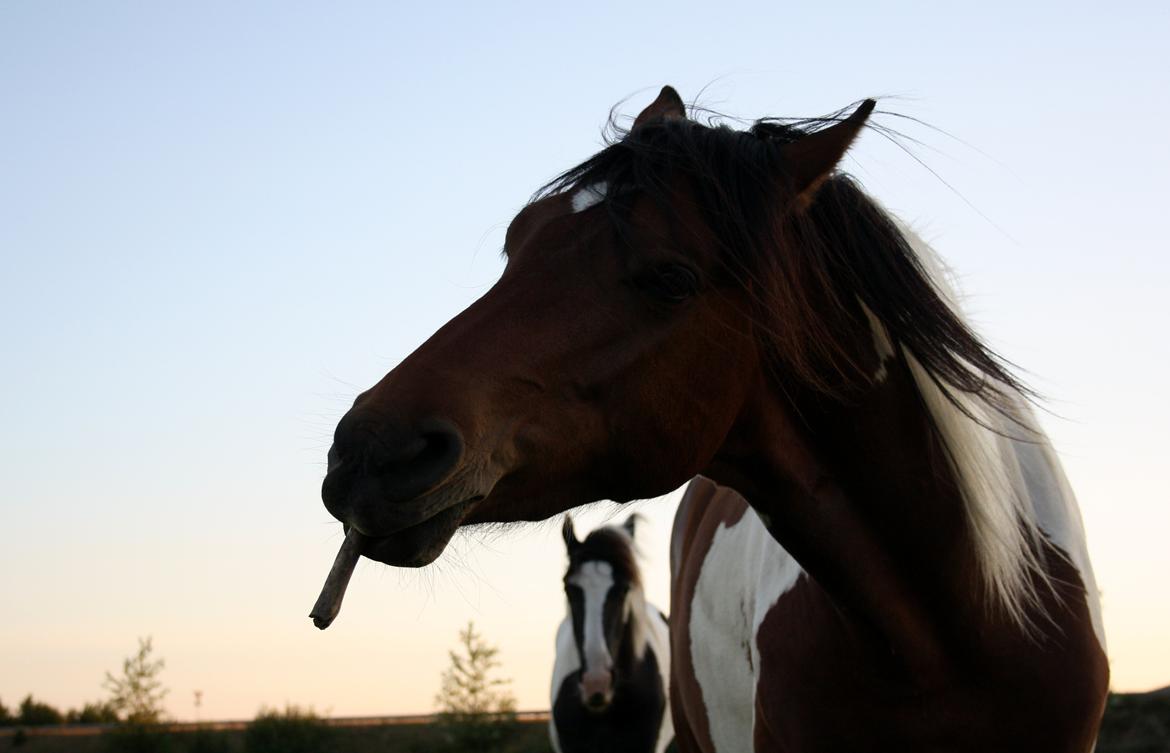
381,474
597,689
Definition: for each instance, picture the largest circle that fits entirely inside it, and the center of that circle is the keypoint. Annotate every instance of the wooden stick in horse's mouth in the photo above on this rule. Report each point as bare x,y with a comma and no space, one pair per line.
329,602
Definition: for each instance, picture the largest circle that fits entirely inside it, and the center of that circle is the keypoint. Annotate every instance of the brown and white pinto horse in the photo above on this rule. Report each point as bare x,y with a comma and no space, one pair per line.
696,300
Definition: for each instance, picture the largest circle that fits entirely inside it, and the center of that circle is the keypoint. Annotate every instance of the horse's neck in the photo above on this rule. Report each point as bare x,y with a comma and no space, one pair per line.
865,502
636,631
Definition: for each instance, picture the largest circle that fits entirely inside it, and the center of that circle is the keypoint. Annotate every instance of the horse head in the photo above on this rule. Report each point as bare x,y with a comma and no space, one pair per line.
604,593
617,356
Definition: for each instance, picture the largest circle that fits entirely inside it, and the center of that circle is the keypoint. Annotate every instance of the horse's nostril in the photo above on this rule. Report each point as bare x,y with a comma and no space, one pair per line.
402,453
421,451
420,462
403,460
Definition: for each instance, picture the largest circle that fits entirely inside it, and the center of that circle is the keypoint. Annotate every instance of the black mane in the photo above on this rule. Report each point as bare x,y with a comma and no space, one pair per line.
807,270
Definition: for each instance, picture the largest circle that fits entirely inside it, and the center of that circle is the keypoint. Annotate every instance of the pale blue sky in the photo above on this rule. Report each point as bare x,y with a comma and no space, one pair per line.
219,221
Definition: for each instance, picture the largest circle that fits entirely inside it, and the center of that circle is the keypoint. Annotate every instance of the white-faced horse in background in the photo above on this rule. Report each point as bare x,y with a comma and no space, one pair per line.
611,678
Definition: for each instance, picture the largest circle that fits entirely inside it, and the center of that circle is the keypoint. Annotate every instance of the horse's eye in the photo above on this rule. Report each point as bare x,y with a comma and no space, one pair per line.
672,283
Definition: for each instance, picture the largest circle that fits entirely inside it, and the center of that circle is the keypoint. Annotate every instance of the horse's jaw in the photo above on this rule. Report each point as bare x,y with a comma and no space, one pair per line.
420,544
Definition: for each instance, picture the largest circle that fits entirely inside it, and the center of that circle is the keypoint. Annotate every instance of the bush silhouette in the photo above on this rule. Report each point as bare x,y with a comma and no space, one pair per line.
294,730
34,713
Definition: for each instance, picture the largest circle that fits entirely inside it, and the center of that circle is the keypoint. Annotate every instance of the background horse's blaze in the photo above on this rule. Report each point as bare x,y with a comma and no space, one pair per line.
721,303
612,668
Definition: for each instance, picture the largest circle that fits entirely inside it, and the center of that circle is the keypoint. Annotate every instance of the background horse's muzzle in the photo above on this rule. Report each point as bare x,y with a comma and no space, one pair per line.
597,689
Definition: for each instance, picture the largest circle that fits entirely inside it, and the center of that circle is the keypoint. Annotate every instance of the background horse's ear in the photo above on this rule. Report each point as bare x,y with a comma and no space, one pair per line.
811,160
568,534
668,106
630,524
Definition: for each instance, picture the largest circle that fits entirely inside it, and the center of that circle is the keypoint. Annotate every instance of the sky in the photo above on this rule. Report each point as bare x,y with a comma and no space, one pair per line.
220,221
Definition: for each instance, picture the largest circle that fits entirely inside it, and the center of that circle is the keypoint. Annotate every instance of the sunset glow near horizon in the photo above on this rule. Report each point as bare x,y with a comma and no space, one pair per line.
220,223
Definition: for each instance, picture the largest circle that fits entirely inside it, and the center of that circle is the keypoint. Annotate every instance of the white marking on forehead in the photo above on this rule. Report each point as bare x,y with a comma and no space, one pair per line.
881,344
593,573
594,579
588,196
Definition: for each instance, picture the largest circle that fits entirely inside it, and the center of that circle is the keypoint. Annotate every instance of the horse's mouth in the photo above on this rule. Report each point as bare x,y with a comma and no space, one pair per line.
419,544
402,532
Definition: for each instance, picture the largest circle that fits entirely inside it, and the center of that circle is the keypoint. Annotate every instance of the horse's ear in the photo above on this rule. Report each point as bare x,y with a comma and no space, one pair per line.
811,160
668,106
631,523
568,534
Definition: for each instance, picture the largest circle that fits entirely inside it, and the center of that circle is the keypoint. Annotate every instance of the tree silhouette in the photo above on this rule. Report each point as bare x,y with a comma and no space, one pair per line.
477,712
138,693
468,688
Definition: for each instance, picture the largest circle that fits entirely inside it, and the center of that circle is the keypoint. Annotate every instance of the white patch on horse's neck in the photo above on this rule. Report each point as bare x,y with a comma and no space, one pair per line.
594,579
744,574
589,196
881,344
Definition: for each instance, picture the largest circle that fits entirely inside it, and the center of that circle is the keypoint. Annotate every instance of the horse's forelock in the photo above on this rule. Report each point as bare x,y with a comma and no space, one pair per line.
611,545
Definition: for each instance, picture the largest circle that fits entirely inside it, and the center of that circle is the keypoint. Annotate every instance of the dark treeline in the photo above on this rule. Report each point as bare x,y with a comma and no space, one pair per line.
34,713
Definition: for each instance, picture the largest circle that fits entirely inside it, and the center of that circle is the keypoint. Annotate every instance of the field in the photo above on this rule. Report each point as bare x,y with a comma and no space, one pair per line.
523,737
1134,723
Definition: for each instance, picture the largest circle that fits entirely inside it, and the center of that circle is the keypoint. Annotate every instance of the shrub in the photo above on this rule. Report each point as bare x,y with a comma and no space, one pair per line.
34,713
97,712
294,730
